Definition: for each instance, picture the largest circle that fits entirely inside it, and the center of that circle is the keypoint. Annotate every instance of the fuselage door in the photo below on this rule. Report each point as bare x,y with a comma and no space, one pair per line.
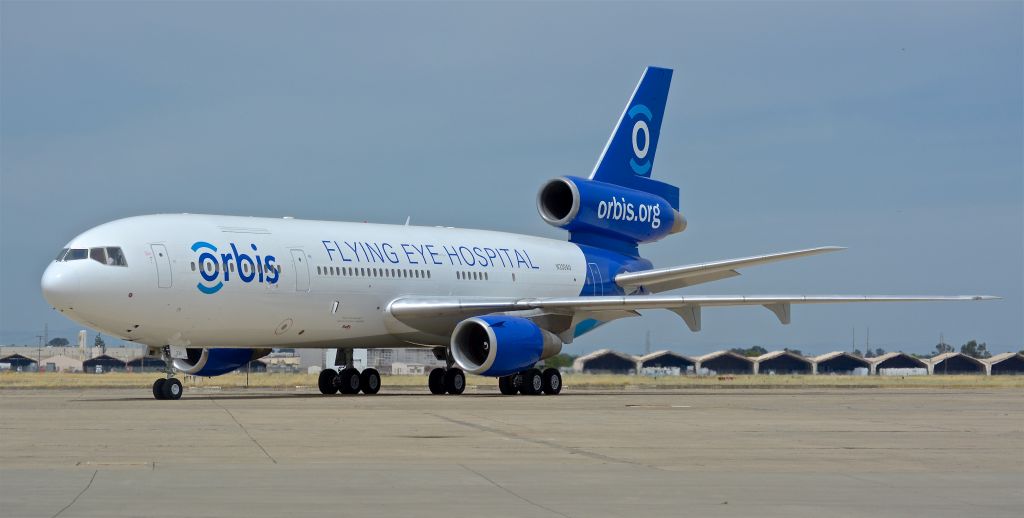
595,278
163,265
301,270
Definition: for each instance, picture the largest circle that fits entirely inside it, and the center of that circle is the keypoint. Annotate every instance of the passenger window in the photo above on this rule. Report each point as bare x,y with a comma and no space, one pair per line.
193,266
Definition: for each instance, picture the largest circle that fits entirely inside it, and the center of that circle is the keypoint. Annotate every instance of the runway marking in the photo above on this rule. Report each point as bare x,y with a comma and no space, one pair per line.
79,495
568,449
513,493
249,435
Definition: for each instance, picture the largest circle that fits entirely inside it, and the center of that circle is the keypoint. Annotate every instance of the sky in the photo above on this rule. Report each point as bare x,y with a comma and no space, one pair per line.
894,129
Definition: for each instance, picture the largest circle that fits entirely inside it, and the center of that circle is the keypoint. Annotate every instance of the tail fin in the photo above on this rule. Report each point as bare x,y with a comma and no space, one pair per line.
628,157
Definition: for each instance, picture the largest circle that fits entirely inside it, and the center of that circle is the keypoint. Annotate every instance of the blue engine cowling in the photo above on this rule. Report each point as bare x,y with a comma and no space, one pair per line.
214,362
588,207
500,345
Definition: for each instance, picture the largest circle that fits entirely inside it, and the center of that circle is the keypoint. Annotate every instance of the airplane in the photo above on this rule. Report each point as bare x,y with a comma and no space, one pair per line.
210,293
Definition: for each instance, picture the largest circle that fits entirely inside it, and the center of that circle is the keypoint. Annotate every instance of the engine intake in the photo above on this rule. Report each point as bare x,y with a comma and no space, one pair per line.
501,345
587,206
214,362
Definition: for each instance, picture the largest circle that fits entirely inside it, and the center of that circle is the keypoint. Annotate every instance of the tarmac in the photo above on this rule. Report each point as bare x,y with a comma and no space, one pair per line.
766,453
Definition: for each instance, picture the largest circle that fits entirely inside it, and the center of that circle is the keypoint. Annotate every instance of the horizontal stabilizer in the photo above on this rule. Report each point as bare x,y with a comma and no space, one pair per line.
673,277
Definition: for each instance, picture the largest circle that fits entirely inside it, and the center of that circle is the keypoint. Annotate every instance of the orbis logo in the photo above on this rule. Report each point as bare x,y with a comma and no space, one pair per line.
622,210
641,139
219,268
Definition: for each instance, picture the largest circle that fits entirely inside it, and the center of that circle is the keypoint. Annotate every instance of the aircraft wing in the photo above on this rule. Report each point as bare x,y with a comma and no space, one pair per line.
446,311
665,279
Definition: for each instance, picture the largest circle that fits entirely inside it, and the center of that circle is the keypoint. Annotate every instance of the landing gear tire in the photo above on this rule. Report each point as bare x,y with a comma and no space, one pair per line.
326,381
158,388
533,382
348,381
454,381
172,389
506,385
436,381
552,381
369,381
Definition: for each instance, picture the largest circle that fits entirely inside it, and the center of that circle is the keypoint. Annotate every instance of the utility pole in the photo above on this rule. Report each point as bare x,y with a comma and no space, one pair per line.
39,352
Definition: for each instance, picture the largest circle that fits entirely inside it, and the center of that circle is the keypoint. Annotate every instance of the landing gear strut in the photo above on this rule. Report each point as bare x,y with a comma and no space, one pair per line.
169,387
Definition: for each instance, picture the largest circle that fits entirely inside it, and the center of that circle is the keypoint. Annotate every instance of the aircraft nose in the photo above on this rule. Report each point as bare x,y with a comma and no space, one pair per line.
60,286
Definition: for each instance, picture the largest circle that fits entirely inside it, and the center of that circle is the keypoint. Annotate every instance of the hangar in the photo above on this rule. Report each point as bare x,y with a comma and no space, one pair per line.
726,362
19,363
1006,363
782,362
667,359
897,360
102,363
839,362
956,363
605,361
146,364
255,366
62,363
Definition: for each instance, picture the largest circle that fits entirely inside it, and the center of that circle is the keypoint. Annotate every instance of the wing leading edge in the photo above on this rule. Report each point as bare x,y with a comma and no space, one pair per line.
414,310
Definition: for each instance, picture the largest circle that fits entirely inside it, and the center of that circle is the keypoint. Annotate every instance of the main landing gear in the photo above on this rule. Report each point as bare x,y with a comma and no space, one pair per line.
349,381
447,381
531,382
169,387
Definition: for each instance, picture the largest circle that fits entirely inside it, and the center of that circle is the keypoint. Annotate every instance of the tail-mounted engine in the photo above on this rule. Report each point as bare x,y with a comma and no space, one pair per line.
588,207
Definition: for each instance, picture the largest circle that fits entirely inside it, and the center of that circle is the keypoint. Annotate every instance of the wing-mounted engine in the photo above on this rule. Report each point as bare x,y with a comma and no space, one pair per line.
496,345
214,362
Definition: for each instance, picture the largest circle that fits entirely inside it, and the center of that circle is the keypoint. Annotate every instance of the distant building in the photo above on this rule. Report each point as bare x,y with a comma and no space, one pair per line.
18,363
662,363
956,363
62,363
409,369
782,362
841,362
146,364
101,364
724,362
1006,363
605,361
898,364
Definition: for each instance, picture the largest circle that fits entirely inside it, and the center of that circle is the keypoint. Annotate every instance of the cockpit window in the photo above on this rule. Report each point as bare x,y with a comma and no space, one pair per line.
60,256
75,254
115,256
109,255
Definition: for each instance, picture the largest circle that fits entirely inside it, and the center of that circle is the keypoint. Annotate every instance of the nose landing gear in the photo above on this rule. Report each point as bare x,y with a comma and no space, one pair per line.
169,387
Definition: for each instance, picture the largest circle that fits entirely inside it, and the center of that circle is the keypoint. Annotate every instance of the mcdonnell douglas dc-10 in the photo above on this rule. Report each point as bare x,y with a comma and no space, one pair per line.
209,293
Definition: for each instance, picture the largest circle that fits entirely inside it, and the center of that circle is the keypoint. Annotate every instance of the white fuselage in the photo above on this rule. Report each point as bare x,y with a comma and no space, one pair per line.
313,283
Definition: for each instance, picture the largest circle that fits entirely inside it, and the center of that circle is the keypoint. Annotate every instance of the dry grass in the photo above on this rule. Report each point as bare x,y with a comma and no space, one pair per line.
15,380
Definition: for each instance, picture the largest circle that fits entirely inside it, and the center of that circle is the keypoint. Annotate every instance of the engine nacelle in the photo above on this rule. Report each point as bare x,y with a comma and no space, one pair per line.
587,206
214,362
499,345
